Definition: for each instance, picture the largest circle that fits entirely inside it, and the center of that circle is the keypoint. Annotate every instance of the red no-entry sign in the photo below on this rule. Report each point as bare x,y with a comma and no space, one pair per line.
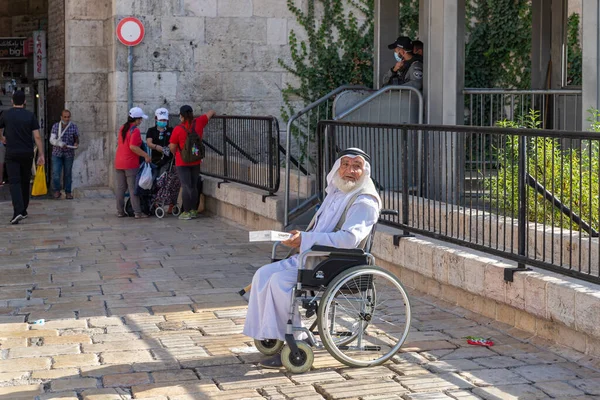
130,31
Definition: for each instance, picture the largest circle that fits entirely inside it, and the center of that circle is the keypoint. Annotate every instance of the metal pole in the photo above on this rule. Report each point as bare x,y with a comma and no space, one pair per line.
522,168
130,71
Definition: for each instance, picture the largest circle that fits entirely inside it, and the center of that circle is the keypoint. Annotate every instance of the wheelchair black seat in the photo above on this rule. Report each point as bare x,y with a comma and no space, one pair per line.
328,269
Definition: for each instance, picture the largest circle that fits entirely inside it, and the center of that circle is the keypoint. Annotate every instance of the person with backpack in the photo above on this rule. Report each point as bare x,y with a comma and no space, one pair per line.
127,162
186,144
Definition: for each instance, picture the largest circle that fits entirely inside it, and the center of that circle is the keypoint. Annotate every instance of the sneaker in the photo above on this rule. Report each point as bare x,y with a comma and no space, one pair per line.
69,196
194,214
16,219
185,216
24,214
57,195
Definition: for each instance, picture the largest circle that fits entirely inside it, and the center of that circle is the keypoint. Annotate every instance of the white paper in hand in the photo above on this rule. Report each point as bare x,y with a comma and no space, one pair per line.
269,236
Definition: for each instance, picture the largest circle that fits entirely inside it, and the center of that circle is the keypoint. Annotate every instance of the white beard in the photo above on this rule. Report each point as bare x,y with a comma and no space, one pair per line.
347,186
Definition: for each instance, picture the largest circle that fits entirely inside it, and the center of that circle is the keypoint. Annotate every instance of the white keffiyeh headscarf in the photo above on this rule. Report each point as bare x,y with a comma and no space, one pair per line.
333,191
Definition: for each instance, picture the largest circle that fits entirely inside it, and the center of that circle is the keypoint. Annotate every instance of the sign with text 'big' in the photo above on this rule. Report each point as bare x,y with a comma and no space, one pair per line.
130,31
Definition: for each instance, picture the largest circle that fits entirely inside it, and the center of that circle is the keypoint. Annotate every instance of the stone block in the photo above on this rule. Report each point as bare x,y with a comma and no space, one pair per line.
474,275
271,9
251,85
84,33
21,391
139,356
86,60
277,31
587,312
75,361
87,87
40,351
425,261
524,321
225,31
59,385
561,302
515,291
234,8
25,364
188,29
149,85
496,376
126,380
510,392
147,7
171,56
77,9
200,8
535,295
199,86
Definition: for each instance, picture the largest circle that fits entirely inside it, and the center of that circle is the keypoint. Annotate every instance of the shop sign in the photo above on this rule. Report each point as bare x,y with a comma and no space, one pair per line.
12,48
40,57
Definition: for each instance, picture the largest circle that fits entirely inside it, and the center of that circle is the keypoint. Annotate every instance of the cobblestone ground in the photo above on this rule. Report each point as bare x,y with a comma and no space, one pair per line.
149,310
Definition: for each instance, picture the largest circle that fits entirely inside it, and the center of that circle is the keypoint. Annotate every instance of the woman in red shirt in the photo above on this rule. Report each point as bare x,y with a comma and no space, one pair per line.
127,161
188,172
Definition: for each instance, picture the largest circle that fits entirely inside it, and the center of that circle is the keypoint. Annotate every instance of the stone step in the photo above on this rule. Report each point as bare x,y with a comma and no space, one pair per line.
94,192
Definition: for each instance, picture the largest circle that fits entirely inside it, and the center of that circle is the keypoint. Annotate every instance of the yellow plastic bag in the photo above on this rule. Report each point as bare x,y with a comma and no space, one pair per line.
39,183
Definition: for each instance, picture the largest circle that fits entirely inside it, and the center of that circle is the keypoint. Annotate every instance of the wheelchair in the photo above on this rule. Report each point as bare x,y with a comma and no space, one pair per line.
358,312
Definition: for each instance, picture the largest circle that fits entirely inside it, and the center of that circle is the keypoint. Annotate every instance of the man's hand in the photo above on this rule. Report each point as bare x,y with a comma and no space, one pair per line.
398,65
159,148
295,241
41,160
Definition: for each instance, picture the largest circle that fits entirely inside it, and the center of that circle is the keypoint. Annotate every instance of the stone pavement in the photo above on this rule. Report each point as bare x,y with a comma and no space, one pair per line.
149,310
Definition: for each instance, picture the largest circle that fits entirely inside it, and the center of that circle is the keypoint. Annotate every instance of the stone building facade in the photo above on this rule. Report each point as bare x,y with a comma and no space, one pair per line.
219,54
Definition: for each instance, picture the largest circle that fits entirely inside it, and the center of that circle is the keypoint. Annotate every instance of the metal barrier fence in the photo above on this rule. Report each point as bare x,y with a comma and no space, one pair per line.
535,199
243,149
397,104
558,109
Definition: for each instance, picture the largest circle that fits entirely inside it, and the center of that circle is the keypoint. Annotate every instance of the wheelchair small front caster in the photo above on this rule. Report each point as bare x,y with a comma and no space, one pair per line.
268,347
300,363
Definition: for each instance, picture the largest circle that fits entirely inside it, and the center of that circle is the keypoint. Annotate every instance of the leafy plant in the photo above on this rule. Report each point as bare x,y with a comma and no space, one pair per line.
567,169
338,50
574,52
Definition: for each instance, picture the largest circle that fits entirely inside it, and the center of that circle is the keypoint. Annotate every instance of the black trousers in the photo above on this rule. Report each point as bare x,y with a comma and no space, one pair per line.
18,167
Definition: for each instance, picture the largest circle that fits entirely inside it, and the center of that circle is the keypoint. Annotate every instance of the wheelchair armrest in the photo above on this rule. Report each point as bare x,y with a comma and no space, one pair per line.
337,251
389,212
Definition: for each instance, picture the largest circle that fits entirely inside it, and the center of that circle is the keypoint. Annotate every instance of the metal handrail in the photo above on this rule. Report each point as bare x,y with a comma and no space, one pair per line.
381,92
520,91
288,144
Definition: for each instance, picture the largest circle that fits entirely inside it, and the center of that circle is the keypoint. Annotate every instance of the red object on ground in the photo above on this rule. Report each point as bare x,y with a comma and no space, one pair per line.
480,342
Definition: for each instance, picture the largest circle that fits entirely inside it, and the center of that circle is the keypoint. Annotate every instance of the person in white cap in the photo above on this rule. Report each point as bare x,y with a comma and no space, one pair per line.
157,139
127,161
344,220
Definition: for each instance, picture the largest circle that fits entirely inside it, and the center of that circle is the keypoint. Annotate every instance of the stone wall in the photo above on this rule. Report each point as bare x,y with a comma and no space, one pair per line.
86,85
56,59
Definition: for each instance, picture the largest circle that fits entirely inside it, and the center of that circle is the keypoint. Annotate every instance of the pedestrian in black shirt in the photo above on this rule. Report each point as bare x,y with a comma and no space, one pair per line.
18,129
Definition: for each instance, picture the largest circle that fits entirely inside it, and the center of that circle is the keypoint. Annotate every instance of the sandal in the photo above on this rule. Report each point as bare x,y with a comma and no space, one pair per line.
57,195
69,196
141,216
121,215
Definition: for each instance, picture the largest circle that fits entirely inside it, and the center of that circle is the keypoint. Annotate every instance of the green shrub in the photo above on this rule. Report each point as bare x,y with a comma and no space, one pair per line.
568,169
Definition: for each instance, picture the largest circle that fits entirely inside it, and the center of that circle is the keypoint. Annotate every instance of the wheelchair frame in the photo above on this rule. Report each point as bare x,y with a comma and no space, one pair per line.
295,348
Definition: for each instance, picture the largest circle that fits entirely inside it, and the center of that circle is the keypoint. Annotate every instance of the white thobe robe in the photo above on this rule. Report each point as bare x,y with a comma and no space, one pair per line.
271,294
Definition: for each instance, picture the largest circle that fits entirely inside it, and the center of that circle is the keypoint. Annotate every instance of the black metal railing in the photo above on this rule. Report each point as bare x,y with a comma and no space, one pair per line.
243,149
534,198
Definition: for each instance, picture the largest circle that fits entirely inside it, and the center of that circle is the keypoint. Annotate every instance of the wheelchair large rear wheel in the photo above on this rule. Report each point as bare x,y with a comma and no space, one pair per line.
377,322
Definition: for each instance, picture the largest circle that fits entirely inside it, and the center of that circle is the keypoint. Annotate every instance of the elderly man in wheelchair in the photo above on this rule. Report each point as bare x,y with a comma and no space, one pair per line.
362,311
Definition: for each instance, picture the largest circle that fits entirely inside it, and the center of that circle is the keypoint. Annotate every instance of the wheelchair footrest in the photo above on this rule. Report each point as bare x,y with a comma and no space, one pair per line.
363,348
310,306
